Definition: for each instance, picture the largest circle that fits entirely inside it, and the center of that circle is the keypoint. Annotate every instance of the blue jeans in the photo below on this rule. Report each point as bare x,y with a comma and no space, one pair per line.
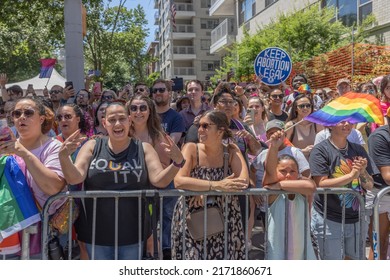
167,210
125,252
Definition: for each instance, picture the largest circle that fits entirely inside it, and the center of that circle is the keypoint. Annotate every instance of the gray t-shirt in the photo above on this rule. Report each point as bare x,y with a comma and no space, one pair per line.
326,160
258,162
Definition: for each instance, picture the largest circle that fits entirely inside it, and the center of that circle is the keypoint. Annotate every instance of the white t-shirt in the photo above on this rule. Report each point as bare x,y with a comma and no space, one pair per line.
354,137
258,162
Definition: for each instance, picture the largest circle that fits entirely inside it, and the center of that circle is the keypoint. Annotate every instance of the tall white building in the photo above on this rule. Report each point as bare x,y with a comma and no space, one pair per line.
253,14
184,51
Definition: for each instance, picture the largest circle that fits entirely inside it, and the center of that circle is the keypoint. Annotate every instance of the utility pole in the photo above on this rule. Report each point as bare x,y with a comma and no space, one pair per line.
74,43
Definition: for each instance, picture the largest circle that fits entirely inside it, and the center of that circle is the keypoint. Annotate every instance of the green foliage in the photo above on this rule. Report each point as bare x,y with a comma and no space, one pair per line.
29,30
34,29
115,43
303,34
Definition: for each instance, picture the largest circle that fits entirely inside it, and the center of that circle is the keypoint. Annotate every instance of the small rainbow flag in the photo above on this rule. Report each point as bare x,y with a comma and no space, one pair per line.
17,206
304,88
352,107
47,66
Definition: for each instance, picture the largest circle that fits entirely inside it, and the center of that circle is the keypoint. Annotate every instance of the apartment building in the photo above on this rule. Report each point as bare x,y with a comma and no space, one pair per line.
184,45
253,14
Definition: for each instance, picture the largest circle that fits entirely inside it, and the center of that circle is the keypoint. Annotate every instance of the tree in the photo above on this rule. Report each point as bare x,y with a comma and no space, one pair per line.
29,30
115,43
303,34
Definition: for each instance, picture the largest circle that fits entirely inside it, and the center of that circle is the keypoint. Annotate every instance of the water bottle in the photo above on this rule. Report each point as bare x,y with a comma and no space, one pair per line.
55,249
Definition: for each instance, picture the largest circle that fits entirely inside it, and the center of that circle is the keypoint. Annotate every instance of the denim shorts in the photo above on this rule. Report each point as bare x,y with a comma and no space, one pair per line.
332,246
125,252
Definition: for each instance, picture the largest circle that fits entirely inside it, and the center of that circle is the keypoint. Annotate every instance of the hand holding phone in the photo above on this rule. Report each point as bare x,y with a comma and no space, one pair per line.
4,130
250,116
69,84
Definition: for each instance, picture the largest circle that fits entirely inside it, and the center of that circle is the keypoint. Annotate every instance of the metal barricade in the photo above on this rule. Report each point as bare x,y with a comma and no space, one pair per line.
375,228
116,195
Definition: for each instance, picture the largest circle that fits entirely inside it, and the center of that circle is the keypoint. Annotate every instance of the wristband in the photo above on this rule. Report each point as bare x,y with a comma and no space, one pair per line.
179,165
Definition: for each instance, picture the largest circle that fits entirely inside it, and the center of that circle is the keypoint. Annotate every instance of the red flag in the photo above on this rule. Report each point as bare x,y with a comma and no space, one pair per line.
173,15
47,66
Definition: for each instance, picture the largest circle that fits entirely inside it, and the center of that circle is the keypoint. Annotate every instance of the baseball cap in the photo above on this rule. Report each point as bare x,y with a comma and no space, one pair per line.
274,124
343,80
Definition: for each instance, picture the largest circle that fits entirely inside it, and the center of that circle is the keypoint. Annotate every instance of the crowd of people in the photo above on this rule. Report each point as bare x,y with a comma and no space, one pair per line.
234,138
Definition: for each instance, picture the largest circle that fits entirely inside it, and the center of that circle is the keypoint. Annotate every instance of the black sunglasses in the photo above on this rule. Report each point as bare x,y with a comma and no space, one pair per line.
251,89
301,106
27,113
142,108
55,91
160,90
107,97
205,125
280,96
66,117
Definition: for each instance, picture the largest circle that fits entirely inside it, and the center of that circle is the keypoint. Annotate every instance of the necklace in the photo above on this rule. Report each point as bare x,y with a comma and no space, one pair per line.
343,151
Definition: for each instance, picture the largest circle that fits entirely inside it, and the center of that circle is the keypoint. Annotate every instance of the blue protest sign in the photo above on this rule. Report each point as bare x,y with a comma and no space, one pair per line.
273,66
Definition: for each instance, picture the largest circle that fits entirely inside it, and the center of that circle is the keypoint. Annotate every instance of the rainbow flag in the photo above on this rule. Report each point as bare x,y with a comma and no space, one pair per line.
47,66
17,206
352,107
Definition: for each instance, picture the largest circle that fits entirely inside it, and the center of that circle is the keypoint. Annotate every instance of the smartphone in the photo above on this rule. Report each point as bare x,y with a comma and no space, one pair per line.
69,83
4,130
251,112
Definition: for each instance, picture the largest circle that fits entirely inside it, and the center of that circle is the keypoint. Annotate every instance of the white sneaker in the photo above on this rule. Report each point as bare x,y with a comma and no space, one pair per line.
249,244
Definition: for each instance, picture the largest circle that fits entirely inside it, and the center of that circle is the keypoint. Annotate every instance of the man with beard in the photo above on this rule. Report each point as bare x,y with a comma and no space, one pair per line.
173,125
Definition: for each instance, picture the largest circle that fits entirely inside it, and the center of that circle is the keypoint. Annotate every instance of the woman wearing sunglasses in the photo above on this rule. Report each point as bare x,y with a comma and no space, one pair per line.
70,118
146,126
121,163
38,153
303,134
204,171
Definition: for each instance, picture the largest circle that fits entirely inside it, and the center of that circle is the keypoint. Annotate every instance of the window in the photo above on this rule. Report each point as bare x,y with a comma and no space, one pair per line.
269,2
208,23
247,10
350,11
210,65
205,44
365,9
205,4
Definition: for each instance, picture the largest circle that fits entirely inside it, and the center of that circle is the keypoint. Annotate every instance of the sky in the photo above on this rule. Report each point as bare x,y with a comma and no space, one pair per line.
148,6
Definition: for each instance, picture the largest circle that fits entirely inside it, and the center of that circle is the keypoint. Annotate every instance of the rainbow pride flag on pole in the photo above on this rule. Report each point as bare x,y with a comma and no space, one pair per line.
352,107
47,66
17,206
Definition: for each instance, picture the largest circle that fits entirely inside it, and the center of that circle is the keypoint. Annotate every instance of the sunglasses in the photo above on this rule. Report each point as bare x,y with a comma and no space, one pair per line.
228,102
66,117
18,113
142,108
160,90
280,96
107,97
55,91
205,125
301,106
251,89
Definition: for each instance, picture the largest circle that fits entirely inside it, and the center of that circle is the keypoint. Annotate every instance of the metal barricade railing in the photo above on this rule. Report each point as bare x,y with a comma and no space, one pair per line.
375,228
116,195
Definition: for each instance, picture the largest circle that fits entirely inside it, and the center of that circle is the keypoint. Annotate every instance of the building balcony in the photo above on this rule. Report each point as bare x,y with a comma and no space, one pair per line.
156,18
185,11
156,4
183,31
184,53
157,35
222,8
223,35
187,73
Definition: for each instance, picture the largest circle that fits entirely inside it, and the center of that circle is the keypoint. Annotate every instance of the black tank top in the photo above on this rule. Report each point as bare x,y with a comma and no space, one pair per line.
108,171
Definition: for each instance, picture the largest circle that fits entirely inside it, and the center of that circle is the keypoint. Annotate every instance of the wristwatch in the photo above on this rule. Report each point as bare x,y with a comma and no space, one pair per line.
179,165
